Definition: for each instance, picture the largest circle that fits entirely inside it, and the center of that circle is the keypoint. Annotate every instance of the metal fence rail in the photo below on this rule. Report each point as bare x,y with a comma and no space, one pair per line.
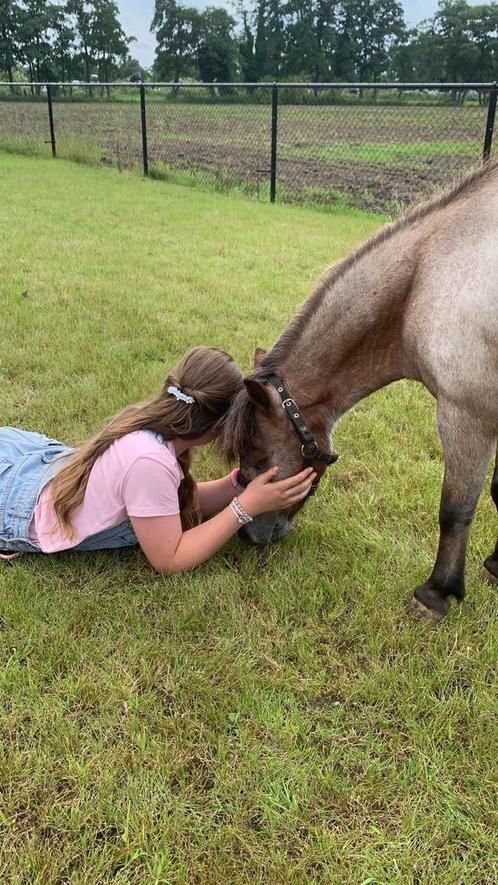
370,146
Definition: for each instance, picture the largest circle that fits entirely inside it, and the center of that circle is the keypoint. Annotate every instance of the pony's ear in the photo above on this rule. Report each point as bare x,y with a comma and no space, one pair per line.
259,353
258,393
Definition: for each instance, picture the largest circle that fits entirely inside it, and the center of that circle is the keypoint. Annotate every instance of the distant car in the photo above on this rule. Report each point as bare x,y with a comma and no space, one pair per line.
135,78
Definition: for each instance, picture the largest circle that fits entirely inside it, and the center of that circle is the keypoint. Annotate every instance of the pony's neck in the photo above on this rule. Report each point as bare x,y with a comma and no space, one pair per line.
347,340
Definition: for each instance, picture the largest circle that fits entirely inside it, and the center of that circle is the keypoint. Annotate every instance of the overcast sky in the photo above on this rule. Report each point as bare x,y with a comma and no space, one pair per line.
137,16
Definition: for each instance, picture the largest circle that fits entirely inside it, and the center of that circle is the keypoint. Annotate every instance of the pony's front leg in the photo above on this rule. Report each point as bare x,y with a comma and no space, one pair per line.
467,447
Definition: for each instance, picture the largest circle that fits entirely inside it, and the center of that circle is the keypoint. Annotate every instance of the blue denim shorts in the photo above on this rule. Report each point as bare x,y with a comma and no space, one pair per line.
26,465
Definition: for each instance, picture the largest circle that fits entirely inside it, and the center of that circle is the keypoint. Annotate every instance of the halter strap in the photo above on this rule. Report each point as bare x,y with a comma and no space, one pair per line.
310,450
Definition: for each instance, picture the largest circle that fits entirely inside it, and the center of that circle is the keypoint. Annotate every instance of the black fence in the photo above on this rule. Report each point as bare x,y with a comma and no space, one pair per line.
374,147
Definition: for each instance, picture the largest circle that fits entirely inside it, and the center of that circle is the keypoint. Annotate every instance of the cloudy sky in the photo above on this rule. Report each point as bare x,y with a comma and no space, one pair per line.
137,16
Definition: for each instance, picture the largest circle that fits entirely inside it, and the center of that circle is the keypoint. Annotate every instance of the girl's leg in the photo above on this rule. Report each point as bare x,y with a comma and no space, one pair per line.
24,458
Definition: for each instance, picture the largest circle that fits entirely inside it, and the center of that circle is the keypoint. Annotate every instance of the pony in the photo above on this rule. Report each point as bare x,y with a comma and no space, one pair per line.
419,300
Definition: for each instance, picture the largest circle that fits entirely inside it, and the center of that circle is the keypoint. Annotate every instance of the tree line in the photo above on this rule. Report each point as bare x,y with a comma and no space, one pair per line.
264,40
53,41
326,41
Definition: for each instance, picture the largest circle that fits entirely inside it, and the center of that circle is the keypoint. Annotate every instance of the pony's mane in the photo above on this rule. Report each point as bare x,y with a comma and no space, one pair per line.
465,187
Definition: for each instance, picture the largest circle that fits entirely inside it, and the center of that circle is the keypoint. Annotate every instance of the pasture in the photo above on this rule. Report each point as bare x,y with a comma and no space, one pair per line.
374,157
274,716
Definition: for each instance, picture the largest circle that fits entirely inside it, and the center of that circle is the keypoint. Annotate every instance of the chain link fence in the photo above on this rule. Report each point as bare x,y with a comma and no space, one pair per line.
375,148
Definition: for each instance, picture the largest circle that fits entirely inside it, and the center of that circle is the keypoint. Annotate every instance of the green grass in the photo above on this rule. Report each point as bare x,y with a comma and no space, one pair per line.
274,716
219,181
399,155
222,181
27,147
411,155
338,202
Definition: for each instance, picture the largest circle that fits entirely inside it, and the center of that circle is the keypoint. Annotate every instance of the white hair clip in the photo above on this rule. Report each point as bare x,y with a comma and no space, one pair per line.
179,394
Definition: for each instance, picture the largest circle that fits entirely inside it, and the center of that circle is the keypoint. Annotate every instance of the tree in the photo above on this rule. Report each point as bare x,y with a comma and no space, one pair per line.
63,45
108,40
310,39
452,27
81,10
301,52
372,27
483,28
418,58
178,30
10,17
217,49
37,22
326,39
246,46
269,39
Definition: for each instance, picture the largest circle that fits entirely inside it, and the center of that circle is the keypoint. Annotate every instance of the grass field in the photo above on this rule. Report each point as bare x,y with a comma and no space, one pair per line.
274,716
371,156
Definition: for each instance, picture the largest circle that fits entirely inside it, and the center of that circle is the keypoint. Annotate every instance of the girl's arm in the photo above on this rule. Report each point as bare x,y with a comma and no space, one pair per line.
215,495
168,549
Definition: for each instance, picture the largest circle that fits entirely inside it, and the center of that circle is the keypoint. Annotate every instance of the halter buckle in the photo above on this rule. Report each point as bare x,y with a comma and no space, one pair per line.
314,449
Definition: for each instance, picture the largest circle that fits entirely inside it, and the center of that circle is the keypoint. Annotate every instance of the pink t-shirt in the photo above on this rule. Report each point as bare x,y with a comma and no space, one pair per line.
136,476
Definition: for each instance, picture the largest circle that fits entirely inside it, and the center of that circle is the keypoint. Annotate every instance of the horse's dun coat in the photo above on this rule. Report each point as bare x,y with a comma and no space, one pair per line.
419,300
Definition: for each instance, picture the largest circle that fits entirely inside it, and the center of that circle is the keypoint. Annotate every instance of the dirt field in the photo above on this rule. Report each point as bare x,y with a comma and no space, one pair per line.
373,157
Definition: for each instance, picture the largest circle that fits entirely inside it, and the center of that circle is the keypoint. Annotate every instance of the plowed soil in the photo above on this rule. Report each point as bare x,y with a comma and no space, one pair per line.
372,157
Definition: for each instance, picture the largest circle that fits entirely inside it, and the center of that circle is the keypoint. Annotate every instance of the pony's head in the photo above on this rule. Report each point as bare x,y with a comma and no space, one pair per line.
257,431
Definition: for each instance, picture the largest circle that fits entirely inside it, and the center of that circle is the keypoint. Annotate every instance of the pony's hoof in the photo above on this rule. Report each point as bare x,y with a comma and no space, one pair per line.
422,613
488,575
428,605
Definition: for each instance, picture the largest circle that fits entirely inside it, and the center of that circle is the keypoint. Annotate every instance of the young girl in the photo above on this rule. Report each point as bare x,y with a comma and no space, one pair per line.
132,483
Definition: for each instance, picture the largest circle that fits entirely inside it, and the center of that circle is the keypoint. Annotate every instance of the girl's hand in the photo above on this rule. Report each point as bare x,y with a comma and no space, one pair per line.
262,495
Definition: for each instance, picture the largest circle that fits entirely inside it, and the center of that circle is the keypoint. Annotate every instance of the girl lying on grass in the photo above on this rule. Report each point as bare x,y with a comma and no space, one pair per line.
132,483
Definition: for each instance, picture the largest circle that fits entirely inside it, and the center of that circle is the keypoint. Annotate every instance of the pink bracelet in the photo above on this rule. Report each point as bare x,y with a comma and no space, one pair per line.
234,476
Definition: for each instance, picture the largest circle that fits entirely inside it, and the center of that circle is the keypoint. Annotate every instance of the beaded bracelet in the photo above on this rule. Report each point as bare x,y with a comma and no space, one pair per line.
241,514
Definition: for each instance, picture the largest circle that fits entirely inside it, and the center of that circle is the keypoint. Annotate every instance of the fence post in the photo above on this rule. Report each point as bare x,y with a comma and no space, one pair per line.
488,138
144,130
273,159
51,118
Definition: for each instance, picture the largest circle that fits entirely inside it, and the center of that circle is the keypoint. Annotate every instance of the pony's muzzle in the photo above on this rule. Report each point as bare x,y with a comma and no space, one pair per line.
266,528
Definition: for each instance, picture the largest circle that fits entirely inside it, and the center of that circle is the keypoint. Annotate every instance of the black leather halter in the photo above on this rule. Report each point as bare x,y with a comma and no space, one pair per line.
310,450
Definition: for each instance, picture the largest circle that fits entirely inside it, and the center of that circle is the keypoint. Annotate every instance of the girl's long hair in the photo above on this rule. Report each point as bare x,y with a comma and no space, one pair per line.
205,373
